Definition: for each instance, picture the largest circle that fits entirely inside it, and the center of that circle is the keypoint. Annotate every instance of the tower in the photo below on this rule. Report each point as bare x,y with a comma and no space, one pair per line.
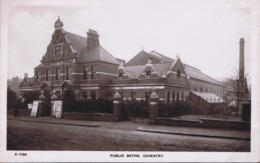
241,58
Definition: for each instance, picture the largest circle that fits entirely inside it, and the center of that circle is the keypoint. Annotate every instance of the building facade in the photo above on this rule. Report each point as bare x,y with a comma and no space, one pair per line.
81,64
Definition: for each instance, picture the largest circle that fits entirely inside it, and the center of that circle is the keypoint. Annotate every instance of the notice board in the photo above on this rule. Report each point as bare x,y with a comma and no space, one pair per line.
57,109
35,108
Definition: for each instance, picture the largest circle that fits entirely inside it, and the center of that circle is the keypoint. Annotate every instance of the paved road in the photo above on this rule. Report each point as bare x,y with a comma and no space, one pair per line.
44,136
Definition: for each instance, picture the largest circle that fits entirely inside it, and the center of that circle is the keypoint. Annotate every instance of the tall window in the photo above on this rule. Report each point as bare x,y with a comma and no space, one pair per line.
178,73
147,95
92,71
93,95
168,97
148,73
120,74
57,73
36,76
132,95
58,50
85,72
173,96
182,96
47,74
177,96
68,73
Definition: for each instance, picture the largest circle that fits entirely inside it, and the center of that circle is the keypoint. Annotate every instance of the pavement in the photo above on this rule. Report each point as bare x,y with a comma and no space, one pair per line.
142,126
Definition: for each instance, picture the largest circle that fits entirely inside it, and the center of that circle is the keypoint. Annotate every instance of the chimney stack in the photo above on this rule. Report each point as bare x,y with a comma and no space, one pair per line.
241,57
93,41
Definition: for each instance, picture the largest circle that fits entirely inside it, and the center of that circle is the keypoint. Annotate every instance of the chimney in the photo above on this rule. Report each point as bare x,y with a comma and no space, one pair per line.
241,57
93,41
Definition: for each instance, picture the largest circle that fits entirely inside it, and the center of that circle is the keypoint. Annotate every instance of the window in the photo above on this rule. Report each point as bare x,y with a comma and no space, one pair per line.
47,74
85,72
177,96
92,71
178,73
36,76
68,73
132,95
195,89
173,96
57,73
168,97
85,94
120,74
58,50
93,95
147,96
182,96
148,73
201,90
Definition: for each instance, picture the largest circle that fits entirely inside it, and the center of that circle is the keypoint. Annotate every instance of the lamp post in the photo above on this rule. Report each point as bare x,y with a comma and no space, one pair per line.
53,98
41,103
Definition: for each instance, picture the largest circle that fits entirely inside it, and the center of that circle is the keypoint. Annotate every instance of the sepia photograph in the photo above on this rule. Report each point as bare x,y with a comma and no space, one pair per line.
130,81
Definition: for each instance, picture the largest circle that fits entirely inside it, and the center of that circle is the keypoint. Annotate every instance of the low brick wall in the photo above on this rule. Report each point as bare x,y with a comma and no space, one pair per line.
88,116
207,123
22,112
238,125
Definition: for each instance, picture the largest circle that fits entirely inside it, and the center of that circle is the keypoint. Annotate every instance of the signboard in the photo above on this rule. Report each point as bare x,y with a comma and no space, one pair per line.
57,109
30,106
35,108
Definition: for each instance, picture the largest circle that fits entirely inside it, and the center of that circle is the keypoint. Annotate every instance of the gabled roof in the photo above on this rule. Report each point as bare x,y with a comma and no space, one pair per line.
134,72
141,59
77,42
97,54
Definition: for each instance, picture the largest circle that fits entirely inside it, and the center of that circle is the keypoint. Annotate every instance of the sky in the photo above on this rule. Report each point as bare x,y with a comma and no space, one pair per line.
205,34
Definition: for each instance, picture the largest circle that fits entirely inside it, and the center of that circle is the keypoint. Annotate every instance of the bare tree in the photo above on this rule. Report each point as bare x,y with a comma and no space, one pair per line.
238,87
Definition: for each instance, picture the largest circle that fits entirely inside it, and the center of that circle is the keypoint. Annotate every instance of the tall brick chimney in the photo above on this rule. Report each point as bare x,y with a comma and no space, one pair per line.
92,37
241,57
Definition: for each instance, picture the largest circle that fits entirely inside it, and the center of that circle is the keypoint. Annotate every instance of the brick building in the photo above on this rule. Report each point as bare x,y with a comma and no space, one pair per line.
81,64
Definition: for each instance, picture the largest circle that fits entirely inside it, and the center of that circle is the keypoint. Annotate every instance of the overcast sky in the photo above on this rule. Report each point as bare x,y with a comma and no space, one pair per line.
205,34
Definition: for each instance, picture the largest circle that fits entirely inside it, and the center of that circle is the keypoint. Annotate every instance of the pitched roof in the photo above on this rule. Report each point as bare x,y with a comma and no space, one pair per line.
97,54
200,76
77,42
141,59
209,97
134,72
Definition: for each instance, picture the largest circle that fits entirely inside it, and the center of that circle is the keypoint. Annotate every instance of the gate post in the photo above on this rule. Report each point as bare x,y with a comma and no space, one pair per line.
153,110
41,104
117,106
53,98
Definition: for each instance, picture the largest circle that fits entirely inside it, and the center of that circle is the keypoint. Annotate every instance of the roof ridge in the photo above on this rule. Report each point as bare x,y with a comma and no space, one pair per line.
108,53
75,34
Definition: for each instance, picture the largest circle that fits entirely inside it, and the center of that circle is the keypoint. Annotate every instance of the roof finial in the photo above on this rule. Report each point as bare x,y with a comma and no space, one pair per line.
178,55
142,48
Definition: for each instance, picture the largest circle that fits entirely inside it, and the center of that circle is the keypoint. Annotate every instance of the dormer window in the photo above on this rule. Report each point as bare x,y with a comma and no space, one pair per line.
120,74
148,73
